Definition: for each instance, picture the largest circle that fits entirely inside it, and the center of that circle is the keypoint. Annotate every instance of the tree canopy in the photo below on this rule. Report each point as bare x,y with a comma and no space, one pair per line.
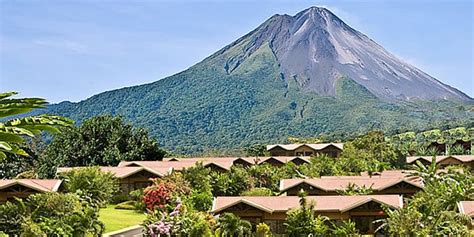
104,141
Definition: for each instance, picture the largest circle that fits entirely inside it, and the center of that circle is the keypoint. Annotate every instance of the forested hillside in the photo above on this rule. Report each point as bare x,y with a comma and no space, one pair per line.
205,108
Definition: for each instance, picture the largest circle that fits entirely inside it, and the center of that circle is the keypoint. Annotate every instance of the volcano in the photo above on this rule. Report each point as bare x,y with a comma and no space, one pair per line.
304,75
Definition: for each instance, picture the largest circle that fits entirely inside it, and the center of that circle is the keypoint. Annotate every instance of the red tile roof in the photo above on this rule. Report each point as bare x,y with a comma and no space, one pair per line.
466,207
461,158
323,203
223,162
40,185
124,172
314,146
334,183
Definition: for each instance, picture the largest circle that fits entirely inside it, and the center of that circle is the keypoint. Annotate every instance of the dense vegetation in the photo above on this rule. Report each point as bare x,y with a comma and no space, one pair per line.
206,108
73,212
178,204
434,211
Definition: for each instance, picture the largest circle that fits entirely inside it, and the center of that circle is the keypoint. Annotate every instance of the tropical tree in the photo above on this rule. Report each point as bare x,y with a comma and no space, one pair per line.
14,131
91,184
230,225
433,211
103,141
303,221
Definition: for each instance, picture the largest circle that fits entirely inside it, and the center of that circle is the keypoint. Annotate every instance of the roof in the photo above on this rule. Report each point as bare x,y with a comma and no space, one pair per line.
282,159
126,171
314,146
323,203
334,183
466,207
40,185
222,162
461,158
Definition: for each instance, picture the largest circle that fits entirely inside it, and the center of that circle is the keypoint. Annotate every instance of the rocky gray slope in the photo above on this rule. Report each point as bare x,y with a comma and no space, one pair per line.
315,48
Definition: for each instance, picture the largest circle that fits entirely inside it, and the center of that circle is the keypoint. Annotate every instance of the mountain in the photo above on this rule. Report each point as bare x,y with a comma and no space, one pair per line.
301,75
316,48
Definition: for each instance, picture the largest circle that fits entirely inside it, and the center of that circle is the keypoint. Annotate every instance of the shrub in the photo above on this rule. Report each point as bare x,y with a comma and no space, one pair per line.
201,201
92,184
164,191
119,198
258,192
137,196
127,205
229,224
303,221
346,228
231,183
50,214
263,230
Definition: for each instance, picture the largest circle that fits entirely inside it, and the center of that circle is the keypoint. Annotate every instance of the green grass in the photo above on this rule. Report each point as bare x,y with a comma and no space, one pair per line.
115,219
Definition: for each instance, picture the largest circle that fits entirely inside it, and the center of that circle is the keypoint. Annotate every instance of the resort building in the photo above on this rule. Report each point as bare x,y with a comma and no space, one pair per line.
329,149
443,161
220,164
22,188
333,185
363,210
131,178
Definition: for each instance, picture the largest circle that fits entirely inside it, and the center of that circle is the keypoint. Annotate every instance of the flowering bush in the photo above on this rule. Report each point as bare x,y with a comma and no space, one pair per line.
161,194
165,225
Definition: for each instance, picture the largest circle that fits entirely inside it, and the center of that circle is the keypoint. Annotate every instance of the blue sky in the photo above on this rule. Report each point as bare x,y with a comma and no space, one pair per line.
71,50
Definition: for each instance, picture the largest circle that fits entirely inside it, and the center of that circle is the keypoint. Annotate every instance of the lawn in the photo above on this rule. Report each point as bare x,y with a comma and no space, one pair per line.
115,219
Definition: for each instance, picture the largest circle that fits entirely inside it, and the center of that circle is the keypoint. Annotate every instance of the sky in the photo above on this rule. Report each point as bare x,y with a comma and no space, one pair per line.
72,49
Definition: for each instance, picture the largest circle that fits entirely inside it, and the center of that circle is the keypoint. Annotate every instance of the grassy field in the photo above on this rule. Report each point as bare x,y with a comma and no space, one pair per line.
115,219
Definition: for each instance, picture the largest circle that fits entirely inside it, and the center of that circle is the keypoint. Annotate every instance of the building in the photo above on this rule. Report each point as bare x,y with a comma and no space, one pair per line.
131,178
363,210
443,161
329,149
219,164
333,185
22,188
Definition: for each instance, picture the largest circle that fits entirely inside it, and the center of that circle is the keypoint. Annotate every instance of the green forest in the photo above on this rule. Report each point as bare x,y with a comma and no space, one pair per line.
179,203
206,108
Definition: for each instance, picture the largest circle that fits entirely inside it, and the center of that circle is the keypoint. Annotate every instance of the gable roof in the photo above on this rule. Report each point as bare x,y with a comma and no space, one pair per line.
125,171
314,146
40,185
323,203
467,208
461,158
222,162
334,183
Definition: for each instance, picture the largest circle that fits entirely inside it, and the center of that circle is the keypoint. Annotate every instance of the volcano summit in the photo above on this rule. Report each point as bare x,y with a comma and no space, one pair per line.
302,75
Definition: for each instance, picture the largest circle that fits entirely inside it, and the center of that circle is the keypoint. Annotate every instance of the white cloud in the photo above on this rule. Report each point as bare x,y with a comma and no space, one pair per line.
62,44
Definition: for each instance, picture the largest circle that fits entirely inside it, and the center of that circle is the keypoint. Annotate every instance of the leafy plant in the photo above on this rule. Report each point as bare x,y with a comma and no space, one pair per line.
13,131
91,183
230,225
303,221
50,214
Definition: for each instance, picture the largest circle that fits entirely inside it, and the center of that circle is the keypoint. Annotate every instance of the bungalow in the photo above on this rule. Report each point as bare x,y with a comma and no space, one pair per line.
130,178
219,164
22,188
363,210
329,149
443,161
282,160
332,185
